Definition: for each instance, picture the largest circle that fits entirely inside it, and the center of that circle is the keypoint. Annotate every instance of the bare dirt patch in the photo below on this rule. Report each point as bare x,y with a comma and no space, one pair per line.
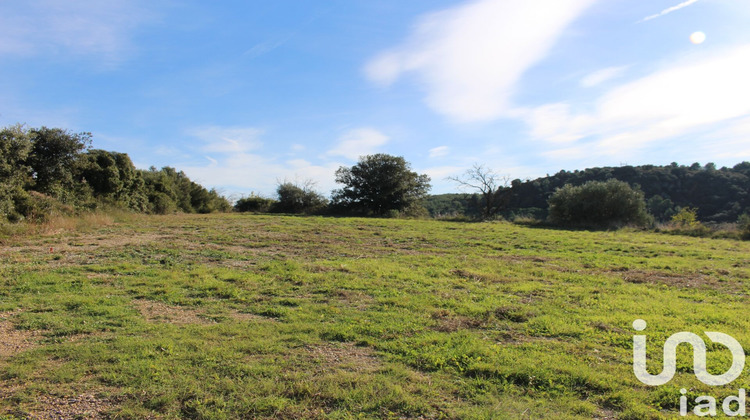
244,316
13,341
675,279
161,312
344,356
486,278
84,406
354,298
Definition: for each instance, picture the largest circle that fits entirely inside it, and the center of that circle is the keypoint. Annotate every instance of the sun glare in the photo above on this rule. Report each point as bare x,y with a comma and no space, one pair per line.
697,37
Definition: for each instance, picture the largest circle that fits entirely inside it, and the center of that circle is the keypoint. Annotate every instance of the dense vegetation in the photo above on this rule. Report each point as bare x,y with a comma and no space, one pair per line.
610,203
720,195
48,170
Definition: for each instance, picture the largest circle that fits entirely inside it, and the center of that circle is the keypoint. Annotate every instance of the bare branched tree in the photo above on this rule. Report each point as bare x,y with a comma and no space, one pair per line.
486,182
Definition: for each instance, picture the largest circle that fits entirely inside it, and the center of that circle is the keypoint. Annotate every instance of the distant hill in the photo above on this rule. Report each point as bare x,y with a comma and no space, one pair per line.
720,194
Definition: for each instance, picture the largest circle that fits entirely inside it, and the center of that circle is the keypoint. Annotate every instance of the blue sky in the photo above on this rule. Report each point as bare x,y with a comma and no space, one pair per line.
242,94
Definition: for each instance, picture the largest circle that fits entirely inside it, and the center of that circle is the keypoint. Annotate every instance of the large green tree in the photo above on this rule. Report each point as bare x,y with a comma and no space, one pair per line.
378,184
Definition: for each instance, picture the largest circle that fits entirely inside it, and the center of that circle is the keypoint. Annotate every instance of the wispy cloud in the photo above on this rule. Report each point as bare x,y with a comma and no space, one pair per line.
219,139
600,76
705,92
233,163
470,58
439,151
668,10
246,172
358,142
80,27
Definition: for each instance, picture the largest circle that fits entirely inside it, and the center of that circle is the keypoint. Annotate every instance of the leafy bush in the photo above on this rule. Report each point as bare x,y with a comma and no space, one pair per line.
294,198
598,204
686,218
254,203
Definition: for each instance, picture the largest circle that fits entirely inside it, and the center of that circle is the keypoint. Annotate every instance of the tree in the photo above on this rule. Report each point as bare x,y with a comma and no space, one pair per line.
53,153
15,146
111,176
598,204
379,184
489,184
298,198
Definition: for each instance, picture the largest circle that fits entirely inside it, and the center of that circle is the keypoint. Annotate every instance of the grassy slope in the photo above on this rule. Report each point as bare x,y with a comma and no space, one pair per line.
231,316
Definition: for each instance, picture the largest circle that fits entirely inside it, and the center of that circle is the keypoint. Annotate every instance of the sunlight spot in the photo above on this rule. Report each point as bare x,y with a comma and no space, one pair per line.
697,37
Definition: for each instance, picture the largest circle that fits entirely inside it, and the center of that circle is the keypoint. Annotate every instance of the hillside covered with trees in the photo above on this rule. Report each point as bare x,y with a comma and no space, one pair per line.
719,194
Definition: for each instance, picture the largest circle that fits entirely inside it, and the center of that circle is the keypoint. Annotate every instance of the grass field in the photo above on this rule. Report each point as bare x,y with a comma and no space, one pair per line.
237,316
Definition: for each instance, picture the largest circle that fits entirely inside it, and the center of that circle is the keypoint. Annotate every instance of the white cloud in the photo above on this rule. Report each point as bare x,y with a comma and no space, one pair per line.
470,58
439,173
439,151
668,10
227,139
600,76
700,93
358,142
80,27
246,172
233,167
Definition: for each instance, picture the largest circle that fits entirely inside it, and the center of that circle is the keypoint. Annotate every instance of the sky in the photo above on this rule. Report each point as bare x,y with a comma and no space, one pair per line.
242,95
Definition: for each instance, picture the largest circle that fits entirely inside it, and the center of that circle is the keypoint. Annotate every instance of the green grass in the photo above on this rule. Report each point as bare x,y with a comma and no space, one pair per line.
240,316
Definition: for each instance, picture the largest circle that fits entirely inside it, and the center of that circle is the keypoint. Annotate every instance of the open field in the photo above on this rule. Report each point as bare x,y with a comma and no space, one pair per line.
237,316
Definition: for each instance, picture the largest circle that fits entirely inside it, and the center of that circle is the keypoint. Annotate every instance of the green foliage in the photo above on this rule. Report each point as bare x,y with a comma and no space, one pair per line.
253,203
297,199
743,222
661,208
720,194
49,170
452,205
378,184
15,146
169,191
112,178
598,204
52,156
686,218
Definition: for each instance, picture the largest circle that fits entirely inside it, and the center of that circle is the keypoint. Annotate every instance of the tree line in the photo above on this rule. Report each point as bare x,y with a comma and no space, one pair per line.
378,185
719,194
50,170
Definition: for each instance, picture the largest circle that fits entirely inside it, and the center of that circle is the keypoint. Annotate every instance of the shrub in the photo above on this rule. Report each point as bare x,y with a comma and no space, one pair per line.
254,203
608,204
686,218
744,224
294,198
